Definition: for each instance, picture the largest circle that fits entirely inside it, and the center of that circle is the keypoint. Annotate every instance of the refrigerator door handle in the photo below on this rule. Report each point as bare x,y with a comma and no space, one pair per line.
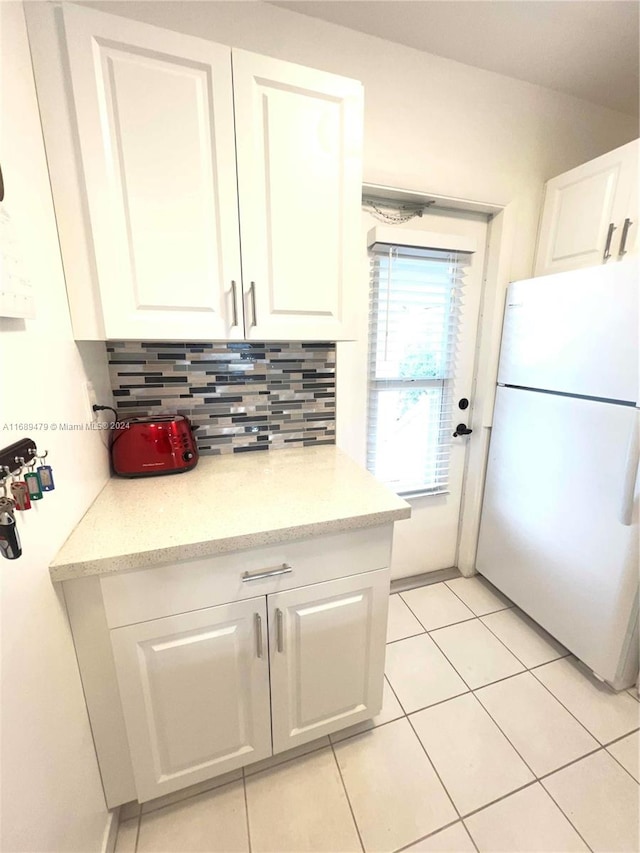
630,475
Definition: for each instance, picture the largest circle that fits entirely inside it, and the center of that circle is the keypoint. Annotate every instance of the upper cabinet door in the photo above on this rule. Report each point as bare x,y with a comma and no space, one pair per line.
299,150
584,213
327,645
155,125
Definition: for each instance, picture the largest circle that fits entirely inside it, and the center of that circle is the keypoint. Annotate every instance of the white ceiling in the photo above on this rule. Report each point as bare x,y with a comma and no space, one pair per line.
586,48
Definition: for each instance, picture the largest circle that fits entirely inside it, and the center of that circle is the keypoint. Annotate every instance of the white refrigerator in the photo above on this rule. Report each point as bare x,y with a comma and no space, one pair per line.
559,527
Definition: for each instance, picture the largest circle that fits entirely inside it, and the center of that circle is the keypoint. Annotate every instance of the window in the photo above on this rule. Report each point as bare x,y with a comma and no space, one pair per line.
415,305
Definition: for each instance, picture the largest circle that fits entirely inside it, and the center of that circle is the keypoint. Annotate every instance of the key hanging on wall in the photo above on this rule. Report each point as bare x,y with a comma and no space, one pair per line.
20,490
10,545
33,482
45,473
7,504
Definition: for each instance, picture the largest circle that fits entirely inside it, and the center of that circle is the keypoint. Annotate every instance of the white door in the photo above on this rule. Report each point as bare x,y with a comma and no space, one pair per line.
327,644
428,541
155,125
195,694
299,149
584,212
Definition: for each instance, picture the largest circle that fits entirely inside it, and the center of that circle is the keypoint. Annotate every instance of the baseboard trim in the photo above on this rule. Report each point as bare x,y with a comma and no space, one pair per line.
111,831
403,584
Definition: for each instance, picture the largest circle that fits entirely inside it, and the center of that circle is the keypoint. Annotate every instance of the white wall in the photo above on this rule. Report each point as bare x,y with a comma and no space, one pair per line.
52,798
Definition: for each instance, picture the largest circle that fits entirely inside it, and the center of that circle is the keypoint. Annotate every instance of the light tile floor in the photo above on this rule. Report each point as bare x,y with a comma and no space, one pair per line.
491,738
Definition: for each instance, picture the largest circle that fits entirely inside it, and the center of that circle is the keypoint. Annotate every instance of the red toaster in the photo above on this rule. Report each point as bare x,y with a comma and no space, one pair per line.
144,447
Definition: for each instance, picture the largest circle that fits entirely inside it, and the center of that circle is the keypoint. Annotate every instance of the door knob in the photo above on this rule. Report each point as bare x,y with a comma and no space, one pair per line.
462,429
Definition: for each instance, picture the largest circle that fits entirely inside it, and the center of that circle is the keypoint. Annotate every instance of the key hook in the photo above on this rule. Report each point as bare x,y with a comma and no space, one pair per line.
41,456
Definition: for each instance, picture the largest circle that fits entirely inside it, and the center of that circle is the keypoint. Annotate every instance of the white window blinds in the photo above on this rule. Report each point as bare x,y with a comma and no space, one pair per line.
416,297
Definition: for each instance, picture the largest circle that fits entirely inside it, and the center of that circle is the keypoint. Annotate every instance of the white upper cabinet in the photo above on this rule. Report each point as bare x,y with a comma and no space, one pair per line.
154,112
299,144
590,213
180,167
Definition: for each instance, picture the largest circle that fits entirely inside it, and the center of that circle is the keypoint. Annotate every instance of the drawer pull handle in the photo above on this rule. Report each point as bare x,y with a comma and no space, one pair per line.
258,624
284,569
279,631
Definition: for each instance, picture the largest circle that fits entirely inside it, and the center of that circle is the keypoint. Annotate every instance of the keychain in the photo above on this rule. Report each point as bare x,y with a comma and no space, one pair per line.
20,491
33,485
7,505
10,546
45,474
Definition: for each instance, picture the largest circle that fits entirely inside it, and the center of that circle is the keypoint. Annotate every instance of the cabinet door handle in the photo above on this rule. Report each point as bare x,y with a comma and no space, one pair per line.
258,626
279,630
234,298
607,245
623,240
252,294
284,569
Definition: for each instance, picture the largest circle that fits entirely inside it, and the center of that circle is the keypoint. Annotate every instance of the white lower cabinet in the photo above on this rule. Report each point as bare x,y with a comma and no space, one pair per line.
327,645
203,692
195,694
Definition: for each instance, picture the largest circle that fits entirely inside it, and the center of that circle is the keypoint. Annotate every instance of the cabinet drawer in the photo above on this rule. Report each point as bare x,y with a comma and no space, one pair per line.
194,584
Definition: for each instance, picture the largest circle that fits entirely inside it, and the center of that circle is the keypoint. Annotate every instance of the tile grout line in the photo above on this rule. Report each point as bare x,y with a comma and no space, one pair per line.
544,775
568,710
428,630
443,654
562,811
506,737
523,788
408,637
479,619
346,794
435,769
499,799
428,835
468,831
388,680
478,615
511,650
138,827
574,761
621,764
246,809
622,737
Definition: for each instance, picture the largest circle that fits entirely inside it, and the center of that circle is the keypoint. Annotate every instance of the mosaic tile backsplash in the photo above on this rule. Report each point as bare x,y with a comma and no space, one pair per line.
242,396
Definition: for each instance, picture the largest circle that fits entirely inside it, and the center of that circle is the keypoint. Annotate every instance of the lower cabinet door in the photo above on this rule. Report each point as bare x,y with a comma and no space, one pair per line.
327,648
195,694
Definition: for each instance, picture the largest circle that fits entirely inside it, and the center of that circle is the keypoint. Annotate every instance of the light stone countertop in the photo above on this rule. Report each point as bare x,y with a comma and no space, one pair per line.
227,503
